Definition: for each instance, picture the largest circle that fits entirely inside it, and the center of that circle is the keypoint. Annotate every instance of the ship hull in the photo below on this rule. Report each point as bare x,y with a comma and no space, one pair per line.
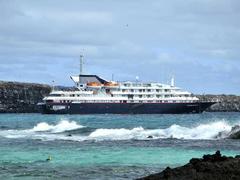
124,108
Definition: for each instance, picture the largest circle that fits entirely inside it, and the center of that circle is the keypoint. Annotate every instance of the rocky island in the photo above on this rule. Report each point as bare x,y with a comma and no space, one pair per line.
227,103
16,97
210,167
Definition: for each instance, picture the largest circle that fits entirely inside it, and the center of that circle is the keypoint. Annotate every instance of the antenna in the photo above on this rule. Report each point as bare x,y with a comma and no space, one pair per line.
53,86
112,77
81,64
172,81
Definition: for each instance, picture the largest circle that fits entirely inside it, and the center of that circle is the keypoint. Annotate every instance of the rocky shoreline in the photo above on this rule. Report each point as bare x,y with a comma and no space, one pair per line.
18,97
210,167
226,103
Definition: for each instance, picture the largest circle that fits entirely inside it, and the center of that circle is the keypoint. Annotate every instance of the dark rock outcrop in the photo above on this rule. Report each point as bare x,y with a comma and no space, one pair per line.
234,133
210,167
21,97
227,103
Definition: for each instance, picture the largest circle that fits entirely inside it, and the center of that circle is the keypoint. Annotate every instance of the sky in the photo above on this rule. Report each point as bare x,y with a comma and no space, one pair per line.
196,41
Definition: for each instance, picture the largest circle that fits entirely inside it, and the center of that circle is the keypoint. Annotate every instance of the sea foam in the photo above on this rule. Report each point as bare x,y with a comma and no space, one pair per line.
41,129
203,131
63,125
50,132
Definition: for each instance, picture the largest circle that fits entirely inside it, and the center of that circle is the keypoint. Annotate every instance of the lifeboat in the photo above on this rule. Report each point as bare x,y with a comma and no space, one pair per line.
111,84
94,84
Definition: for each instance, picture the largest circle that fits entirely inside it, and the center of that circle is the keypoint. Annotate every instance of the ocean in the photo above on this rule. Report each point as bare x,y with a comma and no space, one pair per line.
108,146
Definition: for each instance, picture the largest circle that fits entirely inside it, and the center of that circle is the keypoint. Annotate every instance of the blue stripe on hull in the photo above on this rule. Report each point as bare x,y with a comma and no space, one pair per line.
127,108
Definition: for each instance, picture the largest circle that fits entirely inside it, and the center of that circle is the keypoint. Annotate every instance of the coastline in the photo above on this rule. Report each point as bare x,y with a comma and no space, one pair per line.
18,97
227,102
209,167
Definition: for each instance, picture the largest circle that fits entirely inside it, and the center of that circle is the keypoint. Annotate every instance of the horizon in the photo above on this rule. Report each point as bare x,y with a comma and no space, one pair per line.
194,41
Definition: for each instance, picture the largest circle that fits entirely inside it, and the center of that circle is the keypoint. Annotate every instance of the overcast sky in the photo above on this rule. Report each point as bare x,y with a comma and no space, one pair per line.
197,41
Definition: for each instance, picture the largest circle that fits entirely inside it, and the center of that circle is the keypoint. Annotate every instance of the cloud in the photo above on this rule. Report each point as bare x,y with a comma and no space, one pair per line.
193,39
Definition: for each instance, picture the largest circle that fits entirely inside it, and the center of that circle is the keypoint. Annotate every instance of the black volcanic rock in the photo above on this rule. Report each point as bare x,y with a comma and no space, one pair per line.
235,135
227,103
21,97
235,132
210,167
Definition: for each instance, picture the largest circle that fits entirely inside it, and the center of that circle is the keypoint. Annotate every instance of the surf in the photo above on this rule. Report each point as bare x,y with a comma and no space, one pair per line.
62,126
71,130
202,131
42,128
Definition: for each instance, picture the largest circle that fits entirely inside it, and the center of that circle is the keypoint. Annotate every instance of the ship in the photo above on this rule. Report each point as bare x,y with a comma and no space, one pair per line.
95,95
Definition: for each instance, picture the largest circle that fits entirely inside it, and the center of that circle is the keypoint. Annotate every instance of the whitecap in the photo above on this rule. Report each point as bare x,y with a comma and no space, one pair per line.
42,129
203,131
52,132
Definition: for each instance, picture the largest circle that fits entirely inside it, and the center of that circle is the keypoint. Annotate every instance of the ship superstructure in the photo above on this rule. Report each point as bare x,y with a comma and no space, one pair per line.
94,94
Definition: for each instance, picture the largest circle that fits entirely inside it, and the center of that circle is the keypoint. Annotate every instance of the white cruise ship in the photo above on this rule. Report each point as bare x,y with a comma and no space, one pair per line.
95,95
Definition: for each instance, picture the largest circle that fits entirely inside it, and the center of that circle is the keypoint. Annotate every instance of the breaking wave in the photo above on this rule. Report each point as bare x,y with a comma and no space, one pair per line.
62,126
66,130
42,128
203,131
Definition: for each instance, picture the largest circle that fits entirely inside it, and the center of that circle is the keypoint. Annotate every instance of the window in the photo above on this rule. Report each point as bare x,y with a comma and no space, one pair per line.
55,95
130,96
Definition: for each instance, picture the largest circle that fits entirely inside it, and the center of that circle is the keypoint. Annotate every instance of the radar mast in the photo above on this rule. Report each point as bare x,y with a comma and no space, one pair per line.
81,64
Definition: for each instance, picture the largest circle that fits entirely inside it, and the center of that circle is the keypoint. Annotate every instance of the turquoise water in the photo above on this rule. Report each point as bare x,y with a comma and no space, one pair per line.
108,146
